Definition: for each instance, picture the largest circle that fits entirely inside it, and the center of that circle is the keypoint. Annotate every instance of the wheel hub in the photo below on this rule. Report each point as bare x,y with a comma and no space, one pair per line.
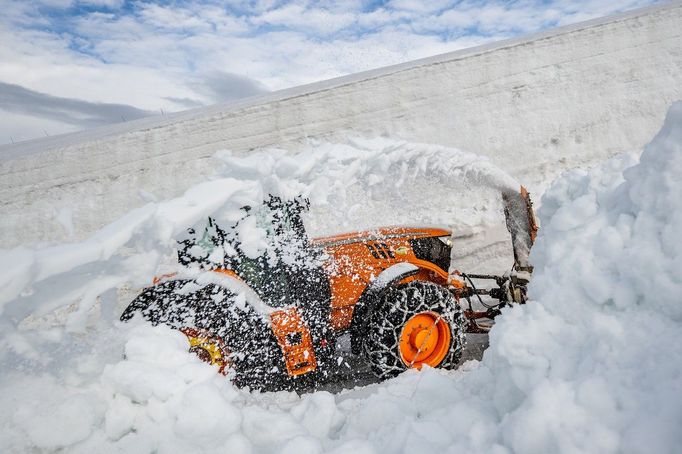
425,339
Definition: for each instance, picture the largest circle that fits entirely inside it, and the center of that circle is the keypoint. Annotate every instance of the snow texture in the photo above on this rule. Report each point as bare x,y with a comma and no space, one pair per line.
536,105
592,364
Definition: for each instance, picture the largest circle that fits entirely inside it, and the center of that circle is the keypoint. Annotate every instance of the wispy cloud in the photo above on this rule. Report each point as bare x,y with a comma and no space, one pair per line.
17,99
153,55
27,114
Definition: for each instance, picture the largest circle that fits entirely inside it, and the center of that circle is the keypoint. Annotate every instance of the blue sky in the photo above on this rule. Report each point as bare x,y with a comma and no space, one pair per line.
73,64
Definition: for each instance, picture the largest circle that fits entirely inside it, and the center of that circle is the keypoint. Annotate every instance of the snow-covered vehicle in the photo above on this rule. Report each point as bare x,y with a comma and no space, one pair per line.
269,307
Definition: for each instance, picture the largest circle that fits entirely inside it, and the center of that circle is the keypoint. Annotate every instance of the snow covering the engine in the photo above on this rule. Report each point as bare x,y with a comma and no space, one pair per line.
592,364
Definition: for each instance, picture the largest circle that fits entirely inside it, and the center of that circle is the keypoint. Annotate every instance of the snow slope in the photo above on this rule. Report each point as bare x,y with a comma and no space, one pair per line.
592,364
536,106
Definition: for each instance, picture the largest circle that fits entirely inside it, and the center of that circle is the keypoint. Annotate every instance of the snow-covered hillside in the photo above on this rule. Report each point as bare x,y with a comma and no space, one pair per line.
592,364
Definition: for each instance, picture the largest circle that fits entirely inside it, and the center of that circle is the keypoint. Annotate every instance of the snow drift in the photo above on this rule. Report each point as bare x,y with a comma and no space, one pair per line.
592,364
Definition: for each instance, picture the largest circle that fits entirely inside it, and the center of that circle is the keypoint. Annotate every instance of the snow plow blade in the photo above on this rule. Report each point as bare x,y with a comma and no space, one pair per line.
522,225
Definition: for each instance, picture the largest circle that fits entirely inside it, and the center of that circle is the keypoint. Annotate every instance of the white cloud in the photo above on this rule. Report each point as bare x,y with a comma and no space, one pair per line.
430,6
104,3
172,18
53,3
307,20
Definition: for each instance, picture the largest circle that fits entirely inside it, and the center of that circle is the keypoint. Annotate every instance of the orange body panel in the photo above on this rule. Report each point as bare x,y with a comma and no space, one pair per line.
355,259
293,336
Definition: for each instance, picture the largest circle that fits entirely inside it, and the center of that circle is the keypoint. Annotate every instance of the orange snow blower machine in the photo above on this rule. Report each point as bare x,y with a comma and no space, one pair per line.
268,309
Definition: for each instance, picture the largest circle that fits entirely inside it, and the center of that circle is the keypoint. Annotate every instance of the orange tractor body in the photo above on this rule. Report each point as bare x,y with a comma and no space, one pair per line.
390,288
356,259
352,262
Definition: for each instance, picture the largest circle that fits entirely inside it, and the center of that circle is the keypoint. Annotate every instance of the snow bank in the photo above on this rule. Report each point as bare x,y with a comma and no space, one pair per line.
592,364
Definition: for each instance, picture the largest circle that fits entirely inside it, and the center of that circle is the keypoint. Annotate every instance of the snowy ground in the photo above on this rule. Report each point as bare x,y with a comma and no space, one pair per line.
592,364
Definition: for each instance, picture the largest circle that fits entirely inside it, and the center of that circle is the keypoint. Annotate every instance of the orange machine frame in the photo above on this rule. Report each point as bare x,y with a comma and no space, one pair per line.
293,337
356,259
353,261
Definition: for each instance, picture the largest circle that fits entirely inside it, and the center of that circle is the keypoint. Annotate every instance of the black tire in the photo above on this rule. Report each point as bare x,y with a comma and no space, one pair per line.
254,355
396,306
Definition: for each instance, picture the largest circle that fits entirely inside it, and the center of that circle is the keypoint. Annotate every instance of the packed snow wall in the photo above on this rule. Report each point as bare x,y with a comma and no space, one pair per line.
561,99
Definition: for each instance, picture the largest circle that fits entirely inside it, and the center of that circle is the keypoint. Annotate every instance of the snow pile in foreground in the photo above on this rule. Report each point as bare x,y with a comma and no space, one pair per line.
593,364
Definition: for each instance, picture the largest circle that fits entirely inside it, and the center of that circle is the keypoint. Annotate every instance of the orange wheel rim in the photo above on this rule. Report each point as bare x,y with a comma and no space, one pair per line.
425,339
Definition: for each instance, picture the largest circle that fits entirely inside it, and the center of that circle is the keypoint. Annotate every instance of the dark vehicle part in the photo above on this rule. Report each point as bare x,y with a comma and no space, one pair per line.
246,340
